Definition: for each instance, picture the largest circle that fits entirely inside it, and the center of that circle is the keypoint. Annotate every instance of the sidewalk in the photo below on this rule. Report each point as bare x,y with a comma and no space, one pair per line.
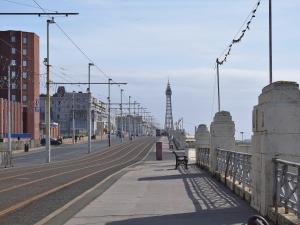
154,193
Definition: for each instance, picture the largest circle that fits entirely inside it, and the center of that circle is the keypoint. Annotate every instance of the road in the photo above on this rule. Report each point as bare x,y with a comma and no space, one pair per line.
58,153
28,194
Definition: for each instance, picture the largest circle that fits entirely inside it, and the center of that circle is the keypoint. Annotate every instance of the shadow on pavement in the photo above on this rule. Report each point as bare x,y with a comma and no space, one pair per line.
229,216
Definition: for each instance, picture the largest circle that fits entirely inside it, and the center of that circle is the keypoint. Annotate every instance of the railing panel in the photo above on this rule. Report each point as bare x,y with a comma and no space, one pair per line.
286,190
5,158
203,157
234,165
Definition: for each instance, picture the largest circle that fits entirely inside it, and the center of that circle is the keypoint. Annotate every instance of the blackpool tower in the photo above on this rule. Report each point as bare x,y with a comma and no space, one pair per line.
169,117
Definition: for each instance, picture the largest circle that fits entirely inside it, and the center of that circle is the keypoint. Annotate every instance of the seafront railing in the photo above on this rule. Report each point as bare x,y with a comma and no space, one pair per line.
286,191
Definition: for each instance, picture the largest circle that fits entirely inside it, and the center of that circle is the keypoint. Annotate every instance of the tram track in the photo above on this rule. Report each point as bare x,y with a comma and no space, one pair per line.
67,177
67,163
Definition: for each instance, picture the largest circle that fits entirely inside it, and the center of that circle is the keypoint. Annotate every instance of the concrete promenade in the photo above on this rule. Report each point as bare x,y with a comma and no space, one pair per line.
153,192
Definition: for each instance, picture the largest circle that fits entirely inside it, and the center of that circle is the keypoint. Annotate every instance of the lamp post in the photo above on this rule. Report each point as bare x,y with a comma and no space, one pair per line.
270,42
121,107
242,133
129,125
9,110
109,127
89,109
47,111
73,118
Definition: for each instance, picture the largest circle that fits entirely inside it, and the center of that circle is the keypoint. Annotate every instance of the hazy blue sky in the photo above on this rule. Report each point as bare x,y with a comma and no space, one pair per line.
143,42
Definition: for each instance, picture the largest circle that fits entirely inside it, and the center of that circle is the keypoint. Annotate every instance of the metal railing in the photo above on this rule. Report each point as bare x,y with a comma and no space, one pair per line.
286,192
203,157
5,158
235,166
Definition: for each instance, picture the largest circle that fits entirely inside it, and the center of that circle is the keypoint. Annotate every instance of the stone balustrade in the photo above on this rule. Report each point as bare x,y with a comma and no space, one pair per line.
267,174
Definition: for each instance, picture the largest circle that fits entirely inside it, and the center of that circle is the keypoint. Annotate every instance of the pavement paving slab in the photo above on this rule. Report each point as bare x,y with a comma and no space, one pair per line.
153,192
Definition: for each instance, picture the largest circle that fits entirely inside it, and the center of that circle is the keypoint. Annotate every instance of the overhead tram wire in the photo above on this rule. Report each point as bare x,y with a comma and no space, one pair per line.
25,4
75,44
237,38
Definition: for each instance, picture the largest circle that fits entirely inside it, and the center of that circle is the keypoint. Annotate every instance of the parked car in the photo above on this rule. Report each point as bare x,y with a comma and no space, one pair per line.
52,141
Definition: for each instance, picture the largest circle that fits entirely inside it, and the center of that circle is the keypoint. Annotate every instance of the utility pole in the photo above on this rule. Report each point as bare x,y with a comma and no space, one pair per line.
218,81
121,107
129,125
109,137
242,133
134,119
46,61
270,42
47,111
89,116
89,83
73,118
9,111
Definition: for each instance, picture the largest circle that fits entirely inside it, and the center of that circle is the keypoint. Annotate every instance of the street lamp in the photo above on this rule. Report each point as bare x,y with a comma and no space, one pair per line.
242,133
73,118
129,125
89,109
47,111
121,107
109,127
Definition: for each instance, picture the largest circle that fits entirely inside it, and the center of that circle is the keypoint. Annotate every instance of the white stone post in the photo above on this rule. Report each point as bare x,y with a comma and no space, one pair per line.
202,138
222,131
276,133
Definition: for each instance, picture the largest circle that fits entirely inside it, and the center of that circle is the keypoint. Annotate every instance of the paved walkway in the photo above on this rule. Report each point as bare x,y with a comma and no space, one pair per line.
154,193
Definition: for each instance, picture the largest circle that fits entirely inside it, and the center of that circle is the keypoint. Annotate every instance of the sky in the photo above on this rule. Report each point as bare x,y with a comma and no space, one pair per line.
147,42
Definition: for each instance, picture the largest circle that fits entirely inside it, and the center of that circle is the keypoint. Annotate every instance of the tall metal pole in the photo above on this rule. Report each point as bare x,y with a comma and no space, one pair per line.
129,124
47,111
218,81
73,118
134,119
270,42
9,111
121,106
89,116
109,131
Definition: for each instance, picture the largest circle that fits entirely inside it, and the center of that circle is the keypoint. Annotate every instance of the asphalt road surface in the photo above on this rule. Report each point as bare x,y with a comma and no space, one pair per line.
29,194
60,152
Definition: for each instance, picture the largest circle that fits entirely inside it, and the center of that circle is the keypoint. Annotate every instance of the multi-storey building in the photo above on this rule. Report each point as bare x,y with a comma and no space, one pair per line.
20,50
62,103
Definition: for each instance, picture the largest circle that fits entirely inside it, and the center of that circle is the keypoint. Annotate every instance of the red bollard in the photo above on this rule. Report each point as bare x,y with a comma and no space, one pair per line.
158,150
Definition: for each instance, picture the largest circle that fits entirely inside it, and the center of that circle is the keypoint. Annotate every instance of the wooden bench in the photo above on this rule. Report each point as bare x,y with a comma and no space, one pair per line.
180,160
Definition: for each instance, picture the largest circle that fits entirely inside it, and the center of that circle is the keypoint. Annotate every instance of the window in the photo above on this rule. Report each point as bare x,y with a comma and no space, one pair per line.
24,40
13,50
24,86
13,74
13,39
13,62
24,63
13,98
24,98
24,51
24,74
13,86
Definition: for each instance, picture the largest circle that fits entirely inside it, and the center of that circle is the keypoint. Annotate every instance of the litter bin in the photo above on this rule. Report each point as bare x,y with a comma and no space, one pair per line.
26,147
158,150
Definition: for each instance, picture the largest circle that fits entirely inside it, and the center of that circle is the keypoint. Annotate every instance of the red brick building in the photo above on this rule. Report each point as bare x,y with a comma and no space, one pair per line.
16,117
21,50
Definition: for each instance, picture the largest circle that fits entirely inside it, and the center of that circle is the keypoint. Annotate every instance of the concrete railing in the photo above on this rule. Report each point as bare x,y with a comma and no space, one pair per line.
287,186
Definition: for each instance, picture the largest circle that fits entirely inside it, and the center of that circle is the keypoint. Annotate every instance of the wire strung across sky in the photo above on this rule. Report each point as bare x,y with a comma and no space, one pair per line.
241,34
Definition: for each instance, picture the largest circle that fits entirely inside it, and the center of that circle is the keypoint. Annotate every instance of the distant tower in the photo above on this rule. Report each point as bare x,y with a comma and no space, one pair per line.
169,118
